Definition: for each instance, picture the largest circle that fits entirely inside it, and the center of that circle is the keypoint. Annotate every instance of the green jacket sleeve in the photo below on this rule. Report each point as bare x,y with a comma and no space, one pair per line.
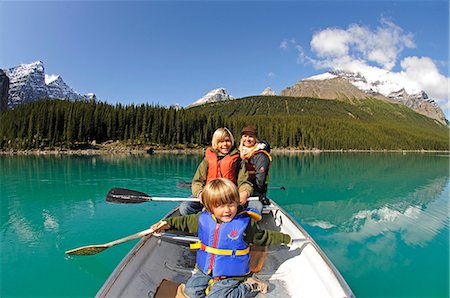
242,182
199,180
187,223
255,236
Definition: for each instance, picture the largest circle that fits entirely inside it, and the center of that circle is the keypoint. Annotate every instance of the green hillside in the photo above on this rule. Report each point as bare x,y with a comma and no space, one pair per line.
330,124
302,123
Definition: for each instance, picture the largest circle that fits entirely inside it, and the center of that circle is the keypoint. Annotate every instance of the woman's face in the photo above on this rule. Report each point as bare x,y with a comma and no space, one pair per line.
224,145
248,141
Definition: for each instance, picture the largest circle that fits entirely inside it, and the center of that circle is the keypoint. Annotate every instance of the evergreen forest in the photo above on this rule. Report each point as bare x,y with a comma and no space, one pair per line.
285,122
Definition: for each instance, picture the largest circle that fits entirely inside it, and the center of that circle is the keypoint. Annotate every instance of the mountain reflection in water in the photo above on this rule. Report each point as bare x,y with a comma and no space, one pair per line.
376,215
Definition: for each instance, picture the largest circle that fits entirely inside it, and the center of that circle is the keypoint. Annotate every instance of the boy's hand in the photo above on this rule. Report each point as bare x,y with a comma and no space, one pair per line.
298,242
160,226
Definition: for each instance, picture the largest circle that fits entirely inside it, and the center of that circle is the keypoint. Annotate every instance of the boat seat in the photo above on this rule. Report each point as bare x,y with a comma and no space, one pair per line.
168,289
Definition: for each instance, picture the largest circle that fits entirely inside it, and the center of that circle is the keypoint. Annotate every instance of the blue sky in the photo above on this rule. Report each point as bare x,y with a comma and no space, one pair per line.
174,52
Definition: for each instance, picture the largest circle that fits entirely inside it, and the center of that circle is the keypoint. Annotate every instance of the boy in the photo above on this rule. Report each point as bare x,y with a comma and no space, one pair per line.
224,232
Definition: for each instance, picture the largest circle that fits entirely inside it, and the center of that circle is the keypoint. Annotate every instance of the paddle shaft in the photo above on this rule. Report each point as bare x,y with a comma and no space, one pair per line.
186,184
96,248
128,196
131,237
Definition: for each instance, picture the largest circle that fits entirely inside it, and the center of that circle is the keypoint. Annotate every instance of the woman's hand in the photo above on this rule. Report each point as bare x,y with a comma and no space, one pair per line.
160,226
243,196
199,196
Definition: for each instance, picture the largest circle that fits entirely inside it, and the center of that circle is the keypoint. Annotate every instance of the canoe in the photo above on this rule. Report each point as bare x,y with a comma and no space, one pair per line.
159,263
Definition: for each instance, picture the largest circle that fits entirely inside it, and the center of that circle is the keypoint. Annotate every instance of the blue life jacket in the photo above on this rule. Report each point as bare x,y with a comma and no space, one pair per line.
222,251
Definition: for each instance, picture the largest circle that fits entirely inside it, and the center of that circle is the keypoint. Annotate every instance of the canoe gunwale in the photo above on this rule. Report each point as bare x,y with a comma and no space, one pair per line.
311,241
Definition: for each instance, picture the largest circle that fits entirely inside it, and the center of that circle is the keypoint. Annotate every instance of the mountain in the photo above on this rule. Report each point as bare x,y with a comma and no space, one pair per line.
268,91
212,96
347,86
57,88
325,87
28,82
4,88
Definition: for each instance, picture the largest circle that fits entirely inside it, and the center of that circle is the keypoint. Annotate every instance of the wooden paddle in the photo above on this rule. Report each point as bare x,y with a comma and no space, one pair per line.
187,184
96,248
128,196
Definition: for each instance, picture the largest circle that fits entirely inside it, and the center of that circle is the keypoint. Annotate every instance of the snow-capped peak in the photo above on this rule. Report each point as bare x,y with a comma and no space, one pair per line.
268,91
383,82
323,76
51,78
215,95
28,82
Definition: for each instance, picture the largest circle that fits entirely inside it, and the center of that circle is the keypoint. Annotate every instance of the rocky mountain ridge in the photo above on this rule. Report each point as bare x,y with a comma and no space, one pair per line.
348,86
28,82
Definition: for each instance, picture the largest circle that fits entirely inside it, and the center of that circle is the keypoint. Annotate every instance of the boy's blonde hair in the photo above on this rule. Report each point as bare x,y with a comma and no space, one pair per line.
219,135
218,192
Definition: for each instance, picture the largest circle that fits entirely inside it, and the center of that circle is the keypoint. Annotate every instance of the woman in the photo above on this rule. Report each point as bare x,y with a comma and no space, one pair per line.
222,160
257,160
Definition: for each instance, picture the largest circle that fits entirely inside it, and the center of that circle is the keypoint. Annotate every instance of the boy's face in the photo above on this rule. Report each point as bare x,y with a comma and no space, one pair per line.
226,212
224,145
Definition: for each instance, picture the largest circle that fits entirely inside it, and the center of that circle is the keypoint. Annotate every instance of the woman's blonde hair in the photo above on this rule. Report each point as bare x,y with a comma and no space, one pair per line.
218,192
219,135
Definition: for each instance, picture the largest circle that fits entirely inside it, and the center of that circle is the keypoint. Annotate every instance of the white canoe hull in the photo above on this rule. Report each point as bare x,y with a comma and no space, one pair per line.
301,270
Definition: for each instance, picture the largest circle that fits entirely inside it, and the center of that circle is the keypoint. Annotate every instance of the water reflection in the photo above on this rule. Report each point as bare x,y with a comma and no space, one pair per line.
41,195
374,214
416,225
364,195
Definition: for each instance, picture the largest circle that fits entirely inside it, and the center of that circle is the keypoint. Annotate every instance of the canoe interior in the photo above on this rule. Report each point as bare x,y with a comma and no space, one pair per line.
301,270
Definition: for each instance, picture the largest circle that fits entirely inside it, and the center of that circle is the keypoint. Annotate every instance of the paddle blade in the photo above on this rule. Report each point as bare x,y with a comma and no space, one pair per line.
126,196
87,250
184,184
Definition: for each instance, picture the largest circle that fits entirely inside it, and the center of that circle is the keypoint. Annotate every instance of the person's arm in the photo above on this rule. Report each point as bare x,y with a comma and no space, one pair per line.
245,187
199,180
261,163
259,237
187,223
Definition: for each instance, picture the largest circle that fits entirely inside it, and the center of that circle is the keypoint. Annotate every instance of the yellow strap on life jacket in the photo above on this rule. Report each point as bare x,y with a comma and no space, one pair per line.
217,251
253,215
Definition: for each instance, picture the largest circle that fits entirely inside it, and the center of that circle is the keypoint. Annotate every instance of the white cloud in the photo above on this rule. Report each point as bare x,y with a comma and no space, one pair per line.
330,43
271,75
381,46
374,53
284,44
424,70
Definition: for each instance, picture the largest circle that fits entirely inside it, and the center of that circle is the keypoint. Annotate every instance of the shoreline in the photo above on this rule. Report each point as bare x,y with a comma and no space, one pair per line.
150,151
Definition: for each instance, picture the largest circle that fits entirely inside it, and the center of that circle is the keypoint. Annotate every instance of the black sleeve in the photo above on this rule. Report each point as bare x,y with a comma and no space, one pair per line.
261,163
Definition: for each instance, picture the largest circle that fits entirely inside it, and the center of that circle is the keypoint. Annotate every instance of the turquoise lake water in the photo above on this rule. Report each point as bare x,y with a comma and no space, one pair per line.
382,218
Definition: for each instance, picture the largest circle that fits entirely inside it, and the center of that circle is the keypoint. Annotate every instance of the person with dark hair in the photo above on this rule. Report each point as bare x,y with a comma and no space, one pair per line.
256,155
